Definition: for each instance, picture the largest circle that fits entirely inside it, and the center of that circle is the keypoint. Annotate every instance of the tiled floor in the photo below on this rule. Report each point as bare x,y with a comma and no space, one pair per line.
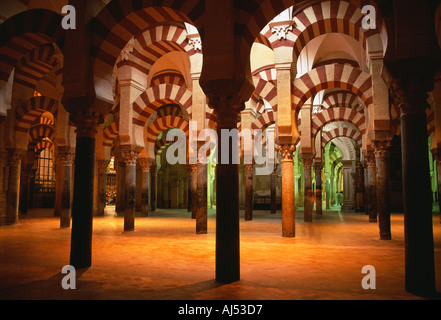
163,259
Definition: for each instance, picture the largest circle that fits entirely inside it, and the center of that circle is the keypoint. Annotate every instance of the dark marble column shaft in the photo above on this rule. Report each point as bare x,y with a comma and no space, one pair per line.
14,164
372,189
130,158
201,198
308,198
194,187
65,162
383,190
145,177
249,192
318,167
82,205
227,202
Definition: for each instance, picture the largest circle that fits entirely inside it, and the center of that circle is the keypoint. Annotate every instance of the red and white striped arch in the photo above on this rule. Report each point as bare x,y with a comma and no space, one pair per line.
44,144
321,17
210,119
31,109
159,125
154,97
168,77
23,33
170,110
338,114
267,73
41,131
266,90
341,76
119,20
110,133
264,121
342,132
35,64
344,99
153,43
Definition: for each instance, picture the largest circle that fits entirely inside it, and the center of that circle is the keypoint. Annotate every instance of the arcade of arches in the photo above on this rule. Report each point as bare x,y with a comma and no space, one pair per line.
356,115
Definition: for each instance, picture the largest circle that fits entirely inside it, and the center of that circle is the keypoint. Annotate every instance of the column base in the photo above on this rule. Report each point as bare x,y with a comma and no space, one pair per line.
385,236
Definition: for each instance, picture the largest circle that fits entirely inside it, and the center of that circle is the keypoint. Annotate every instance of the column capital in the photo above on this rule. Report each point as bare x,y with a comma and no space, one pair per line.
86,122
66,158
130,157
144,164
227,109
411,97
370,160
287,151
14,157
318,167
307,163
381,148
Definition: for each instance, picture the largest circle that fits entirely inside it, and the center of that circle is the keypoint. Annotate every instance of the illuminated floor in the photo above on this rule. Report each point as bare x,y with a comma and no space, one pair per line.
164,259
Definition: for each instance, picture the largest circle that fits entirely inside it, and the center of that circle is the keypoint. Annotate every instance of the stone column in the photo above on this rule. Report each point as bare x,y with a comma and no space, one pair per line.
418,219
26,183
189,188
130,157
3,186
194,186
65,166
288,205
348,186
438,166
145,166
273,182
371,188
201,196
249,192
153,187
318,167
120,183
227,188
383,189
101,194
308,199
14,160
82,205
365,187
359,183
166,187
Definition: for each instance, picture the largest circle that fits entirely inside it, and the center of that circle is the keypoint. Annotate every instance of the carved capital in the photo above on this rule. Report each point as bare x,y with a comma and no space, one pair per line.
86,122
370,160
144,164
226,109
287,151
318,167
307,163
411,97
65,158
381,148
14,157
130,157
